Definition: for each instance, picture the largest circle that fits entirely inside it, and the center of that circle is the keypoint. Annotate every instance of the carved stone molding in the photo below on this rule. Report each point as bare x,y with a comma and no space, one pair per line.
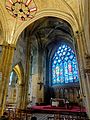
87,61
87,70
87,56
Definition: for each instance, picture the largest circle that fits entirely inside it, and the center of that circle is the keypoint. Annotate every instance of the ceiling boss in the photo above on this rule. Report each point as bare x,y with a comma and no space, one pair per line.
22,9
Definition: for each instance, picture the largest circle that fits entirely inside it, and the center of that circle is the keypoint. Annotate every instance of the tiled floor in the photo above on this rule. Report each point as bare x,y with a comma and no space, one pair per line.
57,117
43,116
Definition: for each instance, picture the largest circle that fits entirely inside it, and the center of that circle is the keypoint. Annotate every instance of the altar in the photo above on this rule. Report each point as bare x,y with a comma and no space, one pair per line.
57,102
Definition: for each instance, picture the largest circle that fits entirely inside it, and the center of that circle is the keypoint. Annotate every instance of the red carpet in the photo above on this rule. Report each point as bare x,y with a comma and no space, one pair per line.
49,108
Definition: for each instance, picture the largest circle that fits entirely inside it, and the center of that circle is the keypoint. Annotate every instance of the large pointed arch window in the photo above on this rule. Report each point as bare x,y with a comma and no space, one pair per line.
64,66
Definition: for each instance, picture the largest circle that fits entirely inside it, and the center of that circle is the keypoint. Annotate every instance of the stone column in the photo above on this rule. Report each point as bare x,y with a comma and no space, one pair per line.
85,16
80,52
40,83
27,73
87,92
84,79
5,69
87,84
20,96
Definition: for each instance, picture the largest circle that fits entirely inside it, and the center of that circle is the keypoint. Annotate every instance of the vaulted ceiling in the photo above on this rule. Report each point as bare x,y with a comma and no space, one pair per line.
49,29
66,7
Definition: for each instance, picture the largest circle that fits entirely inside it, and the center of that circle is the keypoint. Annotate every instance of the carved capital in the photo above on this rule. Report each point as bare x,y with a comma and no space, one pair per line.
87,61
87,56
87,70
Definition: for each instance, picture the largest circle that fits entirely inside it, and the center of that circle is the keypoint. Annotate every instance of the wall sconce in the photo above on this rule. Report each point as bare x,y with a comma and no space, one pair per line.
21,9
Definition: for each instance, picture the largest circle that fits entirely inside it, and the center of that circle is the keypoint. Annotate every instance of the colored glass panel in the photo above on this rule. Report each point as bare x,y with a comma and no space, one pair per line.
64,66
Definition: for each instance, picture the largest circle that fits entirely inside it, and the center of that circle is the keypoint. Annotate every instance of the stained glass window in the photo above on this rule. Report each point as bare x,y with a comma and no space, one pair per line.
13,78
64,66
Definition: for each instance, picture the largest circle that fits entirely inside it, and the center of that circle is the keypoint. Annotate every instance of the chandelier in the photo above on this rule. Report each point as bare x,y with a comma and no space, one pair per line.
22,9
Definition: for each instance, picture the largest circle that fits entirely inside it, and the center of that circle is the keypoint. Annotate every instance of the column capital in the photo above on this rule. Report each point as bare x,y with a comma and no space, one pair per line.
9,45
79,33
87,70
87,62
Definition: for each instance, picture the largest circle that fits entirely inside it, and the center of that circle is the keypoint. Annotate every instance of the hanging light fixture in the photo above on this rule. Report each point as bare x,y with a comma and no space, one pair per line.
21,9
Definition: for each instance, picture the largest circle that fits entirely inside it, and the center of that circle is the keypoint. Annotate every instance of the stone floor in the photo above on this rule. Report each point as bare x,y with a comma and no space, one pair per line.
43,116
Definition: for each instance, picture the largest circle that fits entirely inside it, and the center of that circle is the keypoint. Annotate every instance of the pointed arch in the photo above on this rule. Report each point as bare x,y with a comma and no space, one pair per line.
64,65
19,71
48,13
